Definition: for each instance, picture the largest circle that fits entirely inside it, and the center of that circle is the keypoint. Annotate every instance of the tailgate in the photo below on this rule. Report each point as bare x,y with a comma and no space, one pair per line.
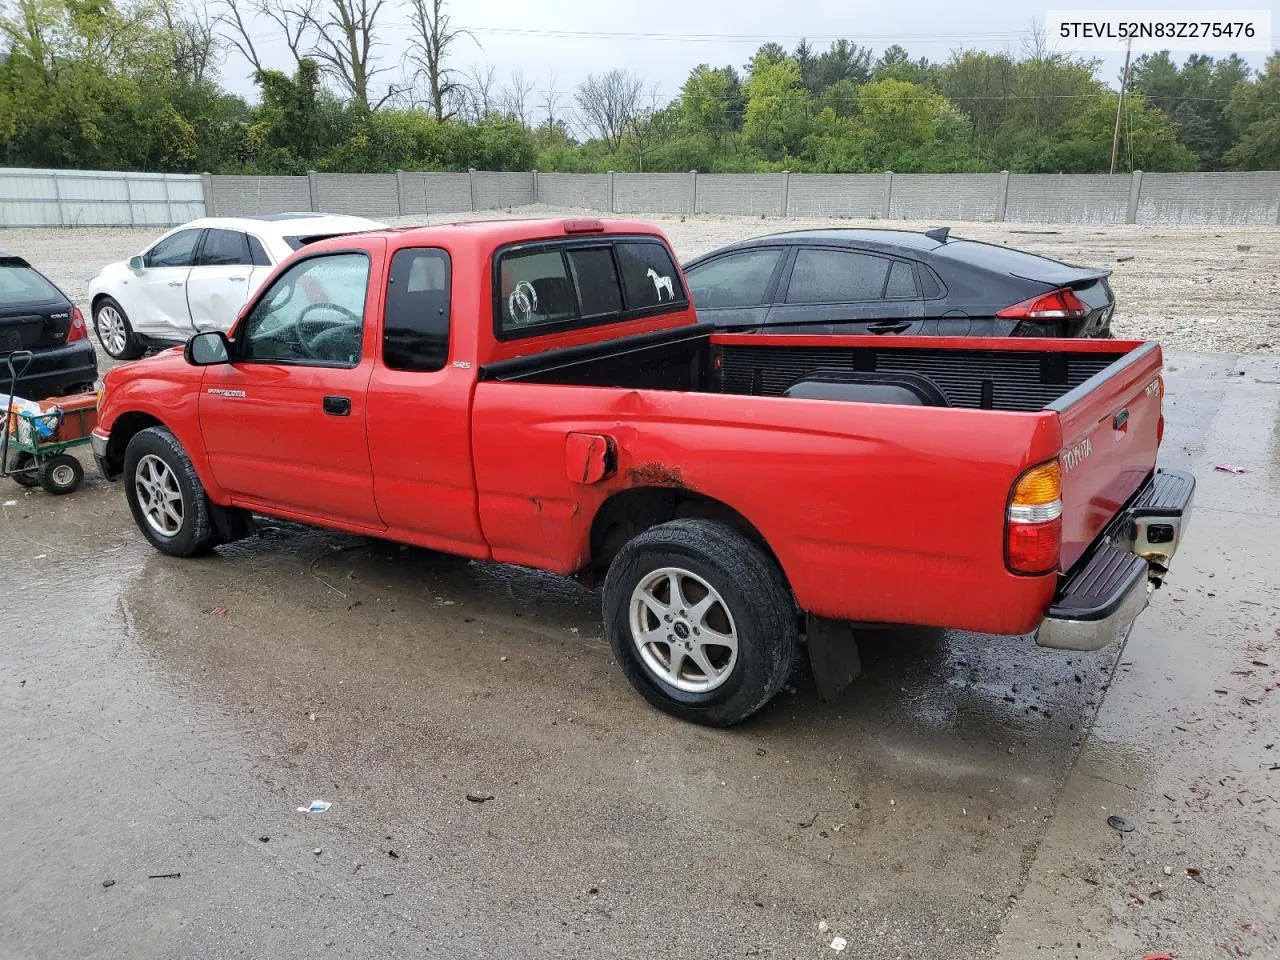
1110,438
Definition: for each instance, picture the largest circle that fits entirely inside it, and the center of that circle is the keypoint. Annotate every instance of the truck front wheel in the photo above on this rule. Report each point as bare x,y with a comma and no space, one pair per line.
701,620
165,495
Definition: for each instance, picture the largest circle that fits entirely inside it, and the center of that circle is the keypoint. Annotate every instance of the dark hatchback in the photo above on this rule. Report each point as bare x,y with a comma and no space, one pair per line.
896,282
36,316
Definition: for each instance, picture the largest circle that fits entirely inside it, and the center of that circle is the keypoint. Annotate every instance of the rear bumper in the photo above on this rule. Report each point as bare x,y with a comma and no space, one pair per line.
1110,586
54,371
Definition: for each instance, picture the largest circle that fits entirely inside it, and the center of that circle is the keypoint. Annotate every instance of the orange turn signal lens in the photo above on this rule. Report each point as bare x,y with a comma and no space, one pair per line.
1038,487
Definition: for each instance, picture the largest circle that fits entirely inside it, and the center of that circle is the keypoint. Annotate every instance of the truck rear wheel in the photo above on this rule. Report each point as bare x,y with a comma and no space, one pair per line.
701,621
165,495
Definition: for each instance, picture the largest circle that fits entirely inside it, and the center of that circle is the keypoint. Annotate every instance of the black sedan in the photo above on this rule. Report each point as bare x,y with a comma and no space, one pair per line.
37,317
896,281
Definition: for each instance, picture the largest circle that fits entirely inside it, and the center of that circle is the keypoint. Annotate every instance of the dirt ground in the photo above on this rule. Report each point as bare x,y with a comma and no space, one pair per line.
1204,289
162,717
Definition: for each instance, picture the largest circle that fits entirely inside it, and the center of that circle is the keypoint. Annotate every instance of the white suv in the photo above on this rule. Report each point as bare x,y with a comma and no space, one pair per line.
197,276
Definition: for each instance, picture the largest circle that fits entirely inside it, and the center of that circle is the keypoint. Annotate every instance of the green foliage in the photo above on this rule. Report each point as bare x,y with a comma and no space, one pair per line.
896,64
1148,141
712,102
1195,97
1255,111
778,107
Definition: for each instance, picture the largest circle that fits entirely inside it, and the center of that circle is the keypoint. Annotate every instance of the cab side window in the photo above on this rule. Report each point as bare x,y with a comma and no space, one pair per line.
313,314
415,325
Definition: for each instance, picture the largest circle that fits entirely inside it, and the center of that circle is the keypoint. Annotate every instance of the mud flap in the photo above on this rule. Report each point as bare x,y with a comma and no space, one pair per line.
833,655
232,523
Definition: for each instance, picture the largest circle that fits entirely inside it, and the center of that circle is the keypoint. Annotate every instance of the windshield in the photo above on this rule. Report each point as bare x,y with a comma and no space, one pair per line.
21,284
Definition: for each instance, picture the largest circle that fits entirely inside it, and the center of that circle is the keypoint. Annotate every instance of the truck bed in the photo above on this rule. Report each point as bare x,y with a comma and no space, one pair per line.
982,374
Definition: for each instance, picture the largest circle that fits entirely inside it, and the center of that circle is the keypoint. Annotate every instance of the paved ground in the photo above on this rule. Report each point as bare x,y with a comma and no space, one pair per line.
163,717
1192,288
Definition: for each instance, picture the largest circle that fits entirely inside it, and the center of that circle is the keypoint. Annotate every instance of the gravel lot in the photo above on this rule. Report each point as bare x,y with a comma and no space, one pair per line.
1204,289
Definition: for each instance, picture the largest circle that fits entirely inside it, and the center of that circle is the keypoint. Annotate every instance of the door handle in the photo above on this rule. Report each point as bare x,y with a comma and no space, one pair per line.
237,279
337,406
888,327
176,283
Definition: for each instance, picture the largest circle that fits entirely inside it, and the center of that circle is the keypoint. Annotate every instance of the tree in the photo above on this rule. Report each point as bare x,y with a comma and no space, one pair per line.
194,43
515,97
768,53
807,62
432,36
1255,111
711,102
895,117
608,104
344,46
650,125
1148,140
551,99
480,91
1049,92
106,86
241,22
297,123
981,84
778,107
843,61
1195,97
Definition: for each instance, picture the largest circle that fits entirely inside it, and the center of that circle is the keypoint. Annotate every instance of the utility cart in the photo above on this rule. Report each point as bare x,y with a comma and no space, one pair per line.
34,444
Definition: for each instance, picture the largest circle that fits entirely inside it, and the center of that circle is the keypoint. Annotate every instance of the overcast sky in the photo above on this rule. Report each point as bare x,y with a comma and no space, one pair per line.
661,40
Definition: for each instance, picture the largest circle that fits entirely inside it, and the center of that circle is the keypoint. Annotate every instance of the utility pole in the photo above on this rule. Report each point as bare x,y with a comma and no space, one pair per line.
1124,86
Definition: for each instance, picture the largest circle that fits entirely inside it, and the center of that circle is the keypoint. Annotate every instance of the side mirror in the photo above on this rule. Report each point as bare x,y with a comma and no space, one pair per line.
136,264
207,349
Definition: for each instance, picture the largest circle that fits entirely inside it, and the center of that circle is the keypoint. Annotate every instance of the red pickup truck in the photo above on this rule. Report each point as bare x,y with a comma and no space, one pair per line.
541,393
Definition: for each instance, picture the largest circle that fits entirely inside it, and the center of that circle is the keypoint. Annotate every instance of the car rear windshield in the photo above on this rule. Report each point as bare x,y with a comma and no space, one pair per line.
988,256
297,243
21,284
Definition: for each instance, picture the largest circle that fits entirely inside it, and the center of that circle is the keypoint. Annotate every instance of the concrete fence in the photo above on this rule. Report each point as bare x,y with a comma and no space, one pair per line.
1157,198
79,198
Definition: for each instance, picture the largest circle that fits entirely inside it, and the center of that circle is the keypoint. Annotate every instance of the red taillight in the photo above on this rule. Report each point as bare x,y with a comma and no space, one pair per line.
583,226
1034,547
78,329
1059,305
1033,525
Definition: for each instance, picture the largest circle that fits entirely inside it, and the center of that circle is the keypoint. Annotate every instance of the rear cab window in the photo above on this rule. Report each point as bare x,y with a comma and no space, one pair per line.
545,287
20,284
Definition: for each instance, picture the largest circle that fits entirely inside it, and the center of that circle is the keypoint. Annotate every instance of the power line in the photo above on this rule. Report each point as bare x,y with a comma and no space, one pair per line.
823,98
742,37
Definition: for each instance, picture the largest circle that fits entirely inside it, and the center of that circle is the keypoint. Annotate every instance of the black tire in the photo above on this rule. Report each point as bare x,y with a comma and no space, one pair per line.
754,593
133,347
195,532
23,469
60,474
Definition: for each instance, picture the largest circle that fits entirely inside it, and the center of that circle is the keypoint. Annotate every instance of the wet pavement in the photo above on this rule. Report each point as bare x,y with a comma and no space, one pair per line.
168,717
